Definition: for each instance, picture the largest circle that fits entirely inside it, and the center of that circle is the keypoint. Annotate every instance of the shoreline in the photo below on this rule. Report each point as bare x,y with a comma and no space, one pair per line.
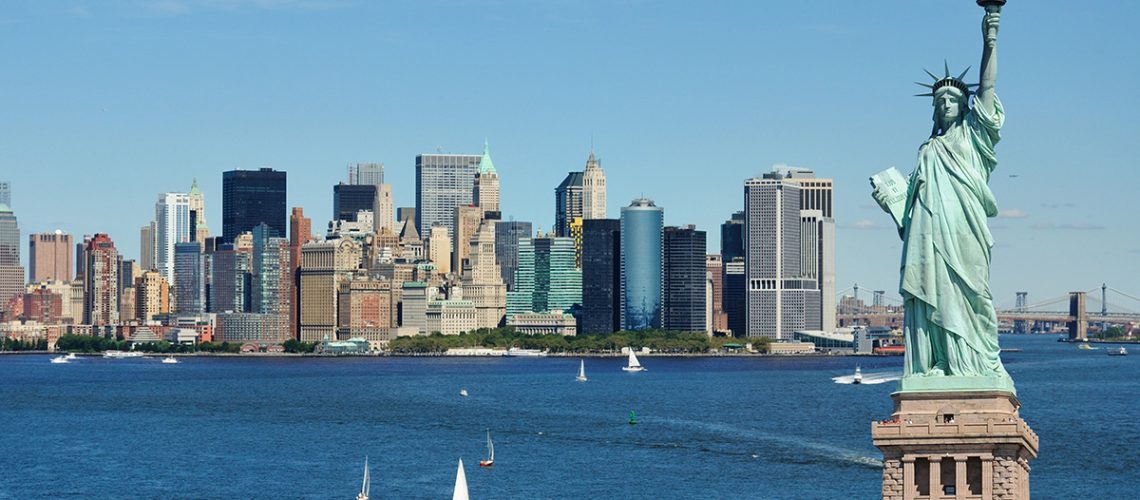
442,355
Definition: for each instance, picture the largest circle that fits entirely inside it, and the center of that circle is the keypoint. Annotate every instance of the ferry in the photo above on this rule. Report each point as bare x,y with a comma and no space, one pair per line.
516,352
122,354
1118,352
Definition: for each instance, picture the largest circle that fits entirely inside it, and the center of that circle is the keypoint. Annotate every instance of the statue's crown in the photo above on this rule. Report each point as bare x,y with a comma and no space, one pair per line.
946,81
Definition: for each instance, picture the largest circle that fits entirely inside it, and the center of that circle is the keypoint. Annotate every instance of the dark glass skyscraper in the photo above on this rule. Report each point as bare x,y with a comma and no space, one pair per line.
685,279
735,297
351,198
507,235
732,237
601,276
567,203
642,223
250,197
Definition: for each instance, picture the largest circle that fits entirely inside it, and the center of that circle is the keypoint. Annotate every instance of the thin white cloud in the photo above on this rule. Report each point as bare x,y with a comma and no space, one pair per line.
1068,227
1012,213
1058,205
864,225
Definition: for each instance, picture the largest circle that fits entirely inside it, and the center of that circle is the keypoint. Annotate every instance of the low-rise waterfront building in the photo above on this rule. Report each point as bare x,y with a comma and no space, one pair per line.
545,323
450,317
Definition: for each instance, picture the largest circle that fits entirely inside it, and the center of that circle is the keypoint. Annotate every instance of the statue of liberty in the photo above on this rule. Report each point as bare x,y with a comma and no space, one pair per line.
950,326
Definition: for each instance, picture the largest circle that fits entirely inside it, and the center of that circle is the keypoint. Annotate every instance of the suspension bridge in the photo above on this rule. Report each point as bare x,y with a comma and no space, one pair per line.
1073,311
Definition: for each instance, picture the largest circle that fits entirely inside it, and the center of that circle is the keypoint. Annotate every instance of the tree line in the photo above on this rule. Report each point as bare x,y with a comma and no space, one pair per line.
505,338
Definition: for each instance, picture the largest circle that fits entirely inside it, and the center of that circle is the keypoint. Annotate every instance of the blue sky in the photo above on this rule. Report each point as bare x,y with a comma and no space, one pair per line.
106,104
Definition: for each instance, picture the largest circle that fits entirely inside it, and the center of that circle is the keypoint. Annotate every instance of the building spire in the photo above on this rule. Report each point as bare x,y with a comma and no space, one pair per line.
486,166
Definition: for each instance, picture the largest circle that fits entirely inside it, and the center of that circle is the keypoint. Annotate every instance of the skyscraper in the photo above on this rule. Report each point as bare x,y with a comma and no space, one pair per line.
272,283
172,226
189,279
11,270
547,279
593,190
507,235
567,203
324,265
300,232
685,279
230,278
642,283
348,199
715,268
487,186
482,280
152,296
198,228
5,193
732,237
443,182
384,215
467,219
49,256
780,299
100,281
601,276
366,173
147,244
439,249
250,197
817,239
735,298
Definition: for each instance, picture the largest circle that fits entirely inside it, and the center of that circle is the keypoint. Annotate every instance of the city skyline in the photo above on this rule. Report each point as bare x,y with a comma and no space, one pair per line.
1044,220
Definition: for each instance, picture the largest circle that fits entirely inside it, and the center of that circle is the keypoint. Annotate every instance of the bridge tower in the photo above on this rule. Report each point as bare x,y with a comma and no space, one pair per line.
878,298
1020,325
1078,317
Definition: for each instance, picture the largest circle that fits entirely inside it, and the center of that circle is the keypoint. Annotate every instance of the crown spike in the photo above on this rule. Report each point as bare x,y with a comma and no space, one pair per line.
946,65
927,85
931,74
928,94
963,75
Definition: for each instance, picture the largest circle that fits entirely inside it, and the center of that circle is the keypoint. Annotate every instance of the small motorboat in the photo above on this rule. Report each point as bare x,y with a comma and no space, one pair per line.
858,378
1085,346
71,356
1118,352
463,392
170,360
59,360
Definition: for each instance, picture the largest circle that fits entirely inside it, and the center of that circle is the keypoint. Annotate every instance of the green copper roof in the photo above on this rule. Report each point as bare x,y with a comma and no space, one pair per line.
485,164
4,208
194,188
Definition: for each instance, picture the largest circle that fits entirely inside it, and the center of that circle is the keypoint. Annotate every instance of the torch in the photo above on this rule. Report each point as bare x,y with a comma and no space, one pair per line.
991,6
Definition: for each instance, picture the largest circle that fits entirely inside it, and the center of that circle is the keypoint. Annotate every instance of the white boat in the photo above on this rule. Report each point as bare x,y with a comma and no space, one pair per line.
1118,352
366,485
122,354
581,372
490,452
59,360
170,360
858,378
460,492
71,356
463,392
634,365
526,353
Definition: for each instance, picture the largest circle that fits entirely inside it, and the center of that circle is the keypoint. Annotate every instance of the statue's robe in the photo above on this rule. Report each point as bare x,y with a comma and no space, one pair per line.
950,323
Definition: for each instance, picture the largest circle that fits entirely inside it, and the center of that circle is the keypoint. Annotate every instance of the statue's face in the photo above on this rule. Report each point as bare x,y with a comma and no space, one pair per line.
948,105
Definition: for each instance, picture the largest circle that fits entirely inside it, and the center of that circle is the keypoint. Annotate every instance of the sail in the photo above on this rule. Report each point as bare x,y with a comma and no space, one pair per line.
460,484
366,484
582,369
490,448
633,359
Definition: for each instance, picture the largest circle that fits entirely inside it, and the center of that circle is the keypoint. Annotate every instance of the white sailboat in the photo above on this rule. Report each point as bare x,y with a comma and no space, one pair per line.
581,372
460,492
366,485
634,365
490,452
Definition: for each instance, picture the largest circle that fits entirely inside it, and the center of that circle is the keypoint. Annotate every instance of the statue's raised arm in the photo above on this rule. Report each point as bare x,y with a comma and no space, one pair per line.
990,22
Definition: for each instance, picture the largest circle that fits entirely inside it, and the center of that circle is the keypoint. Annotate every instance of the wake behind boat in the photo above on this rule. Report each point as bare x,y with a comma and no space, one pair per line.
634,365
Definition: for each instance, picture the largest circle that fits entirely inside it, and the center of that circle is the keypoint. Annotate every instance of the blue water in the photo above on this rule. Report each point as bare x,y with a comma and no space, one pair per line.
708,427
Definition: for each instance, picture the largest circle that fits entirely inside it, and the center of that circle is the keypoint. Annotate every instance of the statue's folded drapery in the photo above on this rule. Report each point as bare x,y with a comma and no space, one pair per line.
950,324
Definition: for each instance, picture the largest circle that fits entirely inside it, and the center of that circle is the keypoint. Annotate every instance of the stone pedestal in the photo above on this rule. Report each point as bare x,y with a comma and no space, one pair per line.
955,445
